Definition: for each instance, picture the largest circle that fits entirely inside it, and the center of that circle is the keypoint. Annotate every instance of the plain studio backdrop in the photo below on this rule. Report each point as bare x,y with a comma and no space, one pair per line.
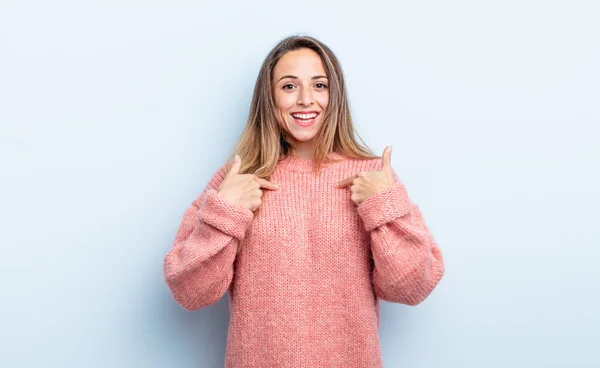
114,114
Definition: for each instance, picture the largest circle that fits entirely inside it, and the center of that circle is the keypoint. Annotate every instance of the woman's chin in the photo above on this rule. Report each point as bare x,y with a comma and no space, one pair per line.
303,134
303,138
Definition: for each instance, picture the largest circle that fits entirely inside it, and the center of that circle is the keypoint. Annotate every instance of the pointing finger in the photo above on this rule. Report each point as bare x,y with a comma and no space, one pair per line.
267,184
346,182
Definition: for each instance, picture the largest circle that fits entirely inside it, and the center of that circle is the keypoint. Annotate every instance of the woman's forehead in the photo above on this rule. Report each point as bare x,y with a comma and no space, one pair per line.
303,63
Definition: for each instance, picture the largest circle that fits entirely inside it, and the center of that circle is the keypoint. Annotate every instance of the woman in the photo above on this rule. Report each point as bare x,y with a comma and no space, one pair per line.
306,228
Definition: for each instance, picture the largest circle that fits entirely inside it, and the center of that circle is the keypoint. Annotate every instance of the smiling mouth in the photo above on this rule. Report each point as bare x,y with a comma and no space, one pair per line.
305,119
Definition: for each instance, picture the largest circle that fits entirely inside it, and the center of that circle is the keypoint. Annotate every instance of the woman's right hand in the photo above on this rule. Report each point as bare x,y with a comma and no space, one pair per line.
243,190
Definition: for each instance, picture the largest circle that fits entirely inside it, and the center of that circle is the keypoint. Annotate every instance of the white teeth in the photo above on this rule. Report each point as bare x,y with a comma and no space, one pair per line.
304,116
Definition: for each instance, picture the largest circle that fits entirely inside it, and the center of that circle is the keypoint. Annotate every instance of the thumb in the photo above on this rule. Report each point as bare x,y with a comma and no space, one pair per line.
235,167
386,159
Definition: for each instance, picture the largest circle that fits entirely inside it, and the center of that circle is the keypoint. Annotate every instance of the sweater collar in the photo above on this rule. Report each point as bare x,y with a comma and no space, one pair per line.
297,164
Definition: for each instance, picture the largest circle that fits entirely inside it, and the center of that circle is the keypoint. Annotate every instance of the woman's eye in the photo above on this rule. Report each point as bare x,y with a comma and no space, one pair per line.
288,85
321,85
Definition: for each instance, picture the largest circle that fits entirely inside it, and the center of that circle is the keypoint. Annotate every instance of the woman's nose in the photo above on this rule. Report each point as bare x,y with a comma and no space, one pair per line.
305,97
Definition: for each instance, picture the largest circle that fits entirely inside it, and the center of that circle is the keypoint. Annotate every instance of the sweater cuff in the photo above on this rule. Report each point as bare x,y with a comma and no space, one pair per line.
224,215
384,206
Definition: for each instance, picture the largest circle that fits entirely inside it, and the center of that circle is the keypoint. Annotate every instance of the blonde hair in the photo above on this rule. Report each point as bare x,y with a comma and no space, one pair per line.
263,142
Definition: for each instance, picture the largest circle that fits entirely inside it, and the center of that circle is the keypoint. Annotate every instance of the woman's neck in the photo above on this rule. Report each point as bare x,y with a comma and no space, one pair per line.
305,153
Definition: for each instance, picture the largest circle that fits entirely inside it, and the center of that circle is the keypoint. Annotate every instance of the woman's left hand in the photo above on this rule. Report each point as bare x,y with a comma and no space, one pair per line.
367,183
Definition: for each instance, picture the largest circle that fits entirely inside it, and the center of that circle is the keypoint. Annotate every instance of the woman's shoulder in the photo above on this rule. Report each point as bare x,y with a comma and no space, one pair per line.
364,163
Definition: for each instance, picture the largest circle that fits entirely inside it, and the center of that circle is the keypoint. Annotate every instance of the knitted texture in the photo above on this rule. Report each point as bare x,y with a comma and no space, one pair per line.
304,288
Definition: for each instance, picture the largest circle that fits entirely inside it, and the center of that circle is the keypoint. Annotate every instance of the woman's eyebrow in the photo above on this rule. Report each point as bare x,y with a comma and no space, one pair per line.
294,77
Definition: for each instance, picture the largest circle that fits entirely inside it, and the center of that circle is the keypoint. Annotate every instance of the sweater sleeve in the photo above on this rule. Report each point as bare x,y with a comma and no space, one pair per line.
198,269
408,264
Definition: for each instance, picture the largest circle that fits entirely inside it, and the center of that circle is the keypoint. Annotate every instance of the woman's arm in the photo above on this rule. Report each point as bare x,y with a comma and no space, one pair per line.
199,267
408,264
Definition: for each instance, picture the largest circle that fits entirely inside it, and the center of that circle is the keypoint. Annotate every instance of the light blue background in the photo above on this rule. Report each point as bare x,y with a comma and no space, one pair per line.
115,113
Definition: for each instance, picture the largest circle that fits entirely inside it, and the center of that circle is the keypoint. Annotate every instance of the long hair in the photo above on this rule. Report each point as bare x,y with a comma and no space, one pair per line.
263,142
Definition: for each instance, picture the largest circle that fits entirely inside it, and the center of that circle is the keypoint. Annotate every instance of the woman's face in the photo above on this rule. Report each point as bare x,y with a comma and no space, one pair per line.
301,94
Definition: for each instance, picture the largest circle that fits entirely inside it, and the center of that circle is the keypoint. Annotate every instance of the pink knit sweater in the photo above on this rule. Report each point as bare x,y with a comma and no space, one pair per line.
305,287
